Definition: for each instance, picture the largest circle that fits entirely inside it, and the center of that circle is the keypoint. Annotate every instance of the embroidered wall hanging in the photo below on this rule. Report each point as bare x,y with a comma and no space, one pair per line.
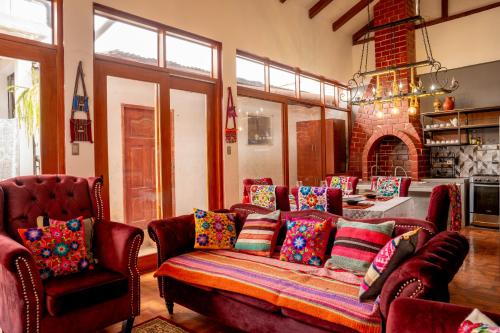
231,133
80,128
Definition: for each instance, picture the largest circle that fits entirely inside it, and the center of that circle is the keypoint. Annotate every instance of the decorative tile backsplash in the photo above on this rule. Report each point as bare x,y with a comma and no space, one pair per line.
472,159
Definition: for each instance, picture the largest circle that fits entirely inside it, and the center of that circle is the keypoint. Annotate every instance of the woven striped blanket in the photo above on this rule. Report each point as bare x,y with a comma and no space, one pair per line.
310,291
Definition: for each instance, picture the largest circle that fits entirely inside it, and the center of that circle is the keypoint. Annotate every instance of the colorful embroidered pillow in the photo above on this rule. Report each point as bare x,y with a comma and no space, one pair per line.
339,182
312,198
214,230
293,202
357,244
386,261
478,322
263,196
259,234
58,249
388,186
88,224
306,241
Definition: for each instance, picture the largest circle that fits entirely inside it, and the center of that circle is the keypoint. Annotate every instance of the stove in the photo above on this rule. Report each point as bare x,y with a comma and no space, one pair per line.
485,201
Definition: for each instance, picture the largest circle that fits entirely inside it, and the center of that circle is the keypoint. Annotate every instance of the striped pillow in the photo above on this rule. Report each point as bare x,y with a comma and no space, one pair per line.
357,244
259,234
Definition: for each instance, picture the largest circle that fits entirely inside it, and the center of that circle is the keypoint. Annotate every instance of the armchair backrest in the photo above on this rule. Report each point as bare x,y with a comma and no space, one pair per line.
56,196
439,205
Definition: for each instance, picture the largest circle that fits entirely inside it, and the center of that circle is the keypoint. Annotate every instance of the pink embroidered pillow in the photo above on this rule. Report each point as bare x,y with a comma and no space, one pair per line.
58,249
478,322
306,241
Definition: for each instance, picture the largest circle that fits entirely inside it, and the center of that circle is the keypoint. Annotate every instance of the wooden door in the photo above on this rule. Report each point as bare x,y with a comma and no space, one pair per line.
309,152
139,166
335,146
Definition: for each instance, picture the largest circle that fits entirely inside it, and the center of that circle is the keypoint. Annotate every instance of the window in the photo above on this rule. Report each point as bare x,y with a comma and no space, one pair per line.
331,95
250,73
27,19
310,88
125,41
281,81
188,55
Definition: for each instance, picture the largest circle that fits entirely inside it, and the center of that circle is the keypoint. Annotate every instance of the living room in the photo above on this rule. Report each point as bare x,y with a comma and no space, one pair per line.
347,149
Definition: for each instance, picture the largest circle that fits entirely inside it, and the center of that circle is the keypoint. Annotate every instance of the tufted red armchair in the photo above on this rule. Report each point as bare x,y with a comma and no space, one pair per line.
83,302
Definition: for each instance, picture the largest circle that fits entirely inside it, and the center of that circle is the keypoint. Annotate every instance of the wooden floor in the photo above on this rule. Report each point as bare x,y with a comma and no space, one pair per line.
477,284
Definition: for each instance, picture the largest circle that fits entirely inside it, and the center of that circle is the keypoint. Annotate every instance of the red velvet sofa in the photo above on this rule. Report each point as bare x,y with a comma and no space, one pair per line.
408,315
425,275
81,302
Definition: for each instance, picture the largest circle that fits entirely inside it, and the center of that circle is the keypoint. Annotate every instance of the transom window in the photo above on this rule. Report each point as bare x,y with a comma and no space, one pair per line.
27,19
269,76
151,43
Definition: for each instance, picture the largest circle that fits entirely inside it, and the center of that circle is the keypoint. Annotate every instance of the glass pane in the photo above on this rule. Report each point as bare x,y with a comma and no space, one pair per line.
132,151
343,97
27,19
19,118
331,95
304,144
309,88
187,55
282,81
189,117
250,73
336,141
260,140
125,41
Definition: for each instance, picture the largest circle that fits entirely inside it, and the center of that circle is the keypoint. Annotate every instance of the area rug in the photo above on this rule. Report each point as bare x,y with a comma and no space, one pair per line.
158,325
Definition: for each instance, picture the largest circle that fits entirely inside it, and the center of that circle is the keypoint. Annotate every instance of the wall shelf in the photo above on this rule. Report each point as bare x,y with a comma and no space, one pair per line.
457,111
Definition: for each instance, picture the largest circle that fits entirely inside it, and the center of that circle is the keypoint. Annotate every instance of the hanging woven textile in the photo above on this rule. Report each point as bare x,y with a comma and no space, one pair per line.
81,129
456,207
231,133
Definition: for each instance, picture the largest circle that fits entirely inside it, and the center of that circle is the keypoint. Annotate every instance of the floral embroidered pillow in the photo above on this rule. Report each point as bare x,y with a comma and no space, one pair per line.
339,182
388,186
214,230
58,249
312,198
306,241
478,322
263,196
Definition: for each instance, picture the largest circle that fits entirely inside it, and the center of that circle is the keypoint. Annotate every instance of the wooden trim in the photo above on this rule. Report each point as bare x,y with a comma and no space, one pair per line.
444,8
318,7
323,142
61,120
350,14
442,20
147,263
284,148
459,15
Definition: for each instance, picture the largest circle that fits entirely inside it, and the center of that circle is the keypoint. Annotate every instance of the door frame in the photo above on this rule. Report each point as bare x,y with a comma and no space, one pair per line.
166,80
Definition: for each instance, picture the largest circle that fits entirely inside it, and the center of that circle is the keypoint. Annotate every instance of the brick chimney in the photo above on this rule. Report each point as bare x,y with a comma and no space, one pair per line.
394,139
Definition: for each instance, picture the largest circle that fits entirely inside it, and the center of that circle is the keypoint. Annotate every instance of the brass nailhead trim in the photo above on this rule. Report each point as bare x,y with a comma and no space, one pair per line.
25,295
134,272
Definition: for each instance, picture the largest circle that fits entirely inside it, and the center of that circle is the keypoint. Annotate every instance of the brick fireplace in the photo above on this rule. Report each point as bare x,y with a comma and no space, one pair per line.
396,139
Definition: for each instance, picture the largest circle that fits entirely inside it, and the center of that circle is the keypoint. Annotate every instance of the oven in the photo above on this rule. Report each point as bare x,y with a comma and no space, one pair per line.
485,201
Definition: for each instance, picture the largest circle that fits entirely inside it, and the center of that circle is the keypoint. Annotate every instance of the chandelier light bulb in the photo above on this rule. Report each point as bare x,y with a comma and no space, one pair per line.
433,87
379,114
400,85
412,110
395,110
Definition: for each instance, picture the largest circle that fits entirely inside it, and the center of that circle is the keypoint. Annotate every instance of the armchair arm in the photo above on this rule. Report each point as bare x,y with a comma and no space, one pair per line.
95,188
173,236
117,246
21,289
427,274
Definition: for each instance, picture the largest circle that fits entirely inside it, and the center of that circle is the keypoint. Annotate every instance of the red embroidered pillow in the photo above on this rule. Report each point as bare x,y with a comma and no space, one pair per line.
306,241
58,249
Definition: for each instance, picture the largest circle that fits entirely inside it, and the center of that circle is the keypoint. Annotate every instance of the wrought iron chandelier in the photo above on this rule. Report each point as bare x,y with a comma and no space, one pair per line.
361,82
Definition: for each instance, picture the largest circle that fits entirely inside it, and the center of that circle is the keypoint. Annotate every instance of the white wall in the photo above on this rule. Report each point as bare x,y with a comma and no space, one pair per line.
122,91
282,32
259,161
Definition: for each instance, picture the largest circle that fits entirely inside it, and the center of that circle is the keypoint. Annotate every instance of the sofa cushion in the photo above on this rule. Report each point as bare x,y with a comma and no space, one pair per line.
252,301
71,292
259,234
214,230
263,196
312,198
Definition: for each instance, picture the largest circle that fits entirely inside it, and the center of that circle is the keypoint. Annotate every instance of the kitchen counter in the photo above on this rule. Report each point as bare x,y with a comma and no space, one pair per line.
421,191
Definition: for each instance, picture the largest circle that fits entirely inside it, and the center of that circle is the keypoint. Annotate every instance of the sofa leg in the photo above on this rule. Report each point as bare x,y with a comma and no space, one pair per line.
127,325
170,307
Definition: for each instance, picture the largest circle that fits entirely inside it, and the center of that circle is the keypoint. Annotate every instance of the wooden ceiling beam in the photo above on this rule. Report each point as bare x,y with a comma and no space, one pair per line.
282,1
361,32
318,7
350,14
444,8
